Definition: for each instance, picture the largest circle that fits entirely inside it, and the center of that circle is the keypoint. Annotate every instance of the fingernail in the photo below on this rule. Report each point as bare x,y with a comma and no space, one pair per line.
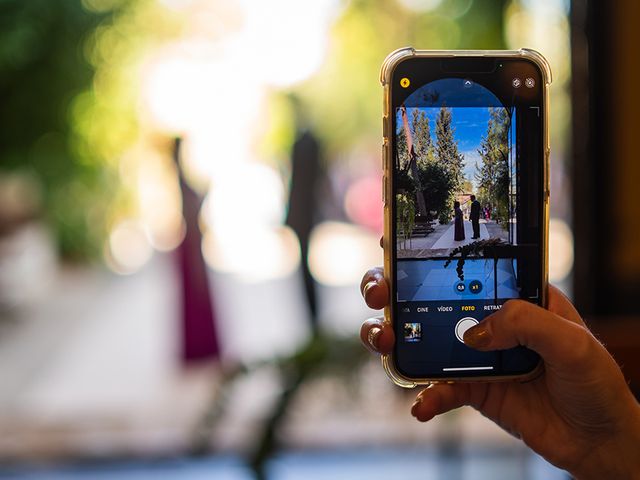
414,407
372,337
368,287
477,337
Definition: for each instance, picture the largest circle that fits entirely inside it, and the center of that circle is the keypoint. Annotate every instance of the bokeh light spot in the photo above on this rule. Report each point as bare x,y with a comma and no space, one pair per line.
339,253
128,248
560,250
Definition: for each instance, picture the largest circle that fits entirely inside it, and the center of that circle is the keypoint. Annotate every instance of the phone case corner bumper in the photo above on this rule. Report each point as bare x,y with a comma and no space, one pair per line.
391,61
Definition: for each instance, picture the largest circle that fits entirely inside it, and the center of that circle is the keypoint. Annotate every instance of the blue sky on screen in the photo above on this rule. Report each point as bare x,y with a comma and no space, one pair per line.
469,110
469,126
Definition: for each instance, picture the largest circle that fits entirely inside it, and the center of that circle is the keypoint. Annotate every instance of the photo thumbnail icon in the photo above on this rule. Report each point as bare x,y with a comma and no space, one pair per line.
412,332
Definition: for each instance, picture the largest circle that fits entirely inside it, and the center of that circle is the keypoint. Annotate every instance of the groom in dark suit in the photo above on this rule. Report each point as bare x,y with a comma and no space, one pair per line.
474,216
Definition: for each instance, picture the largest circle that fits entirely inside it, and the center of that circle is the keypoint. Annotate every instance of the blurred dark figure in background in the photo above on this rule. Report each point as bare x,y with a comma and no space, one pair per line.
306,172
199,335
458,230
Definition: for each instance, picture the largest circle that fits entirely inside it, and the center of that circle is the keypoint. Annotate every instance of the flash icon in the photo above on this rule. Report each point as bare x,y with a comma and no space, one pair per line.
404,83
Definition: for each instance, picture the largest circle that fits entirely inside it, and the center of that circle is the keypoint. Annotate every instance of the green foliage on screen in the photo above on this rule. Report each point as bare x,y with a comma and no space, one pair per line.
438,164
493,176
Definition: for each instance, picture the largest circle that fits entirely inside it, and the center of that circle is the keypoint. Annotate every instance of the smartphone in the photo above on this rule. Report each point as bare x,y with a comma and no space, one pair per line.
466,202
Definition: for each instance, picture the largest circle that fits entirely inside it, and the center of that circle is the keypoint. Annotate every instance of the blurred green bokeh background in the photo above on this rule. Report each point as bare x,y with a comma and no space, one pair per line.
92,219
79,124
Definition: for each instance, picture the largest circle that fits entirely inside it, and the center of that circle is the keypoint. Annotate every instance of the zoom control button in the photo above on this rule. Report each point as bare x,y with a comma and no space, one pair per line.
475,286
463,325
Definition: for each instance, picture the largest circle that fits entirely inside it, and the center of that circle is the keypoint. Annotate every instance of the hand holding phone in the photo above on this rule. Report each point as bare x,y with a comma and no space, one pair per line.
579,413
570,402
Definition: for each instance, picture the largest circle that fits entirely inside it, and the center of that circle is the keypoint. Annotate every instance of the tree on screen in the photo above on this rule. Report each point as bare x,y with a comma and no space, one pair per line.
434,182
448,156
493,175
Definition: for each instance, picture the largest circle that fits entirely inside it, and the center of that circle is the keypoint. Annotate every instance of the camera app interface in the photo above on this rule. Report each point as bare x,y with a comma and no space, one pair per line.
466,200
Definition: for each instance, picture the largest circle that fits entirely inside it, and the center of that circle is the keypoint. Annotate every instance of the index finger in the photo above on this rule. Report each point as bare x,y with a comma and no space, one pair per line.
562,306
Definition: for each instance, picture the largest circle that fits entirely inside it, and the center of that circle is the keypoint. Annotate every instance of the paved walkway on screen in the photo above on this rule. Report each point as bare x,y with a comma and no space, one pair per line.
447,241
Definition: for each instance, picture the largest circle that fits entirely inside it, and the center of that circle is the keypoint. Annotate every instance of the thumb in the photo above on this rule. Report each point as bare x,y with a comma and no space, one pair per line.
558,341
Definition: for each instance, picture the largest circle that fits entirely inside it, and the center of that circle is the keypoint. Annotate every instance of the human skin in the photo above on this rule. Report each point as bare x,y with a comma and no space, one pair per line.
579,414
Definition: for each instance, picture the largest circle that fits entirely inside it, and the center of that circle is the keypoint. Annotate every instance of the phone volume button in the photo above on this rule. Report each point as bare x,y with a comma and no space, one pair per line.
384,189
547,167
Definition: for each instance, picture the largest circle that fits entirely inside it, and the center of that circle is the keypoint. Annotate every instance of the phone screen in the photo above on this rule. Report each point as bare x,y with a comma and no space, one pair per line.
467,199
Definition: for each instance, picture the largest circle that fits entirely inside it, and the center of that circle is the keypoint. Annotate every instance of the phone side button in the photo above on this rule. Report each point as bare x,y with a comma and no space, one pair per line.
547,166
384,190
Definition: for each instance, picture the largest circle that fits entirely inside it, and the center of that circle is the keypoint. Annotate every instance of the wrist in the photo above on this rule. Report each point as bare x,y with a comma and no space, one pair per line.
617,456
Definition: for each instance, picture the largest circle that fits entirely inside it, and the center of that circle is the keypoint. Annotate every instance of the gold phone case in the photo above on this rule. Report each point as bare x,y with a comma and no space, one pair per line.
386,73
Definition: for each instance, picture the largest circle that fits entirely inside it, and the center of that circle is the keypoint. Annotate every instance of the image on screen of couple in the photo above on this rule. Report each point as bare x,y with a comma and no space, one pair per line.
455,171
